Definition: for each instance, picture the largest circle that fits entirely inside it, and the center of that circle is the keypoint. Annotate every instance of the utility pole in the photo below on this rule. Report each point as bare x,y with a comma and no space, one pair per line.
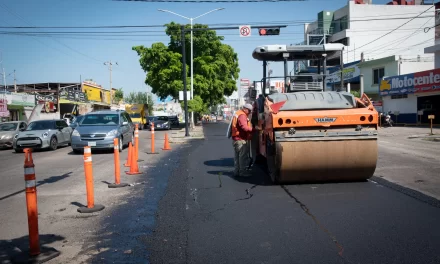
15,83
4,79
110,64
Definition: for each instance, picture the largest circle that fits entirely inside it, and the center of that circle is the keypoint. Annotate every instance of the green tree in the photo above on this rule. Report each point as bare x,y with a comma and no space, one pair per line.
355,93
119,95
141,98
215,66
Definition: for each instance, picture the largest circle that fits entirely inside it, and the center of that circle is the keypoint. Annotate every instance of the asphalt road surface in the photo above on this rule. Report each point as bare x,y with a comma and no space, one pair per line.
113,235
207,216
187,208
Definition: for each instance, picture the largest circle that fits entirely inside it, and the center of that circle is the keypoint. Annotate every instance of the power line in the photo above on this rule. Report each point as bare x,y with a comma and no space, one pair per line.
24,20
394,29
210,1
284,22
154,31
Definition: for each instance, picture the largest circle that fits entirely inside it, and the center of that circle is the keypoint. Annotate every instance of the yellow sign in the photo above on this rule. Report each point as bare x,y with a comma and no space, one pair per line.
385,85
431,116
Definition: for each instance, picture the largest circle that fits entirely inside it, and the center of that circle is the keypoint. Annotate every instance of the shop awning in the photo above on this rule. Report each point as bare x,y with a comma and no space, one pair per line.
65,101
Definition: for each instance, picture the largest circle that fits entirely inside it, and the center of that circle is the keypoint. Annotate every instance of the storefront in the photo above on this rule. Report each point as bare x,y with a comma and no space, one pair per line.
412,97
18,106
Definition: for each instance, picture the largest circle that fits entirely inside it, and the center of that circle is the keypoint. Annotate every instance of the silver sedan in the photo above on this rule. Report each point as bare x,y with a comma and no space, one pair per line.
43,134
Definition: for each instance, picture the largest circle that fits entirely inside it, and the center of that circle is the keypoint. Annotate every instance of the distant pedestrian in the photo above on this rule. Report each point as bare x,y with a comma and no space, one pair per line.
241,133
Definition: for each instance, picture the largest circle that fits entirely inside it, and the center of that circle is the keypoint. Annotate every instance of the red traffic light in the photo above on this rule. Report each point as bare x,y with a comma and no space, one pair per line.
269,31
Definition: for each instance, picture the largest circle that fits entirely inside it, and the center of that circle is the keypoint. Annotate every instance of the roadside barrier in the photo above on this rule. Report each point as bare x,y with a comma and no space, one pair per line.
152,140
134,168
130,150
117,183
166,145
35,254
136,142
88,171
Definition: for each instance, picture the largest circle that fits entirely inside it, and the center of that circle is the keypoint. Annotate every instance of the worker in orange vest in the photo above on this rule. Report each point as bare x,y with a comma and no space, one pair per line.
241,132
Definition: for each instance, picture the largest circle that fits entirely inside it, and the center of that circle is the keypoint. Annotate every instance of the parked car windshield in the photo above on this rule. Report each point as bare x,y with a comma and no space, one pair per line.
100,120
152,118
162,118
8,127
41,125
78,119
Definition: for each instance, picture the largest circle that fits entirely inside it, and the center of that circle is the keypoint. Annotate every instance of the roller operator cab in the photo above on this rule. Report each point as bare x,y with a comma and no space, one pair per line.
307,134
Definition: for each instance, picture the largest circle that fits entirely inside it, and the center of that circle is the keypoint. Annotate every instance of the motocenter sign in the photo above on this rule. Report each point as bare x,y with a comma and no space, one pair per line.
418,82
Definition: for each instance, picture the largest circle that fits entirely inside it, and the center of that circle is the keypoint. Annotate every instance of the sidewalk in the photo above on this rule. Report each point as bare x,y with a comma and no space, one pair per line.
178,136
410,157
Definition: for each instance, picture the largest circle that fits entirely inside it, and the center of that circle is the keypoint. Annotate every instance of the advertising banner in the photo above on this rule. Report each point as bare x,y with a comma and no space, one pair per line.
350,74
418,82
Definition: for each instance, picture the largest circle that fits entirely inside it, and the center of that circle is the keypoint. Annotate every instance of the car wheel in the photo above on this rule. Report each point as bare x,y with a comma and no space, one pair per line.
18,150
120,144
53,143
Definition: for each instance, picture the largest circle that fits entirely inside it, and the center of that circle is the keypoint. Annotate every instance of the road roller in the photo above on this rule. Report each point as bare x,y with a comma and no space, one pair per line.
308,134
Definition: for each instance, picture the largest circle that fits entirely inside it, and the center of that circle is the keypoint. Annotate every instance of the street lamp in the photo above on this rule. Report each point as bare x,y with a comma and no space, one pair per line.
192,55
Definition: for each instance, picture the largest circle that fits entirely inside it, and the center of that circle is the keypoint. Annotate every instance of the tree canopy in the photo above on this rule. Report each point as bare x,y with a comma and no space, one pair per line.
140,98
215,66
119,95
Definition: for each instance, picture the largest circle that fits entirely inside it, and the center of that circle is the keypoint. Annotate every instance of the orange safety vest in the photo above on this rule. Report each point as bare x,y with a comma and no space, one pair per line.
234,129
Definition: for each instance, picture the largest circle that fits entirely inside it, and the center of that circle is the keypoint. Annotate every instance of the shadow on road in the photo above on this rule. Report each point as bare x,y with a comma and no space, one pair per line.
94,151
10,249
258,177
78,204
49,180
224,162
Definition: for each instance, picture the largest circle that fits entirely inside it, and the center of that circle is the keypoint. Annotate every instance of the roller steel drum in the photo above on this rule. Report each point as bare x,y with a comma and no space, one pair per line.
324,161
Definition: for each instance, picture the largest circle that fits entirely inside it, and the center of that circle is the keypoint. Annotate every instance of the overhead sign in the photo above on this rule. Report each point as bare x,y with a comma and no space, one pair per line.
348,73
181,95
245,31
419,82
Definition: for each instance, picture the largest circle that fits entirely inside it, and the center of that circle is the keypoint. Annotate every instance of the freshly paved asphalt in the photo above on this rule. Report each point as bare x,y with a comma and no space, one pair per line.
113,235
207,216
187,208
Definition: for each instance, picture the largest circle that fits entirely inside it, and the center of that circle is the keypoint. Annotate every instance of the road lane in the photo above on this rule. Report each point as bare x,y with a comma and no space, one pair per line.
252,221
61,189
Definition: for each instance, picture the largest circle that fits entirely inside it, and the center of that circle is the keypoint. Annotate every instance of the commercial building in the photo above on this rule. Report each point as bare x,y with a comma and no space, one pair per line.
412,97
374,70
372,31
97,95
15,106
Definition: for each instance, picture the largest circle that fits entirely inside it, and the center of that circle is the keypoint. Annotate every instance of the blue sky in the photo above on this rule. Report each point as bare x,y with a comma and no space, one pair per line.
67,58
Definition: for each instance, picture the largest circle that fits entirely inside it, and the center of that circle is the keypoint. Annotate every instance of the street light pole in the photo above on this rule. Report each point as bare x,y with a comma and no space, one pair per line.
109,63
192,52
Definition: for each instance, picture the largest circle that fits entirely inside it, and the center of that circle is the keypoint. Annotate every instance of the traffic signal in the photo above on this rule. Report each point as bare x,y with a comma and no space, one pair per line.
269,31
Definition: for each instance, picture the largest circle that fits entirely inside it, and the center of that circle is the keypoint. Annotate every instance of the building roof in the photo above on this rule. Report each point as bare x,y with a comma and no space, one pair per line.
378,61
296,52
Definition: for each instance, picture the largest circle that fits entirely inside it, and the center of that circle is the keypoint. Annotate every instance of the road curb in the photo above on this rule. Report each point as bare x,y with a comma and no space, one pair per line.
407,191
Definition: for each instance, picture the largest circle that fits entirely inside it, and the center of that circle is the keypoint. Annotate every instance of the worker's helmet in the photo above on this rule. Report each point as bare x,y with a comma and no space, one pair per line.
248,106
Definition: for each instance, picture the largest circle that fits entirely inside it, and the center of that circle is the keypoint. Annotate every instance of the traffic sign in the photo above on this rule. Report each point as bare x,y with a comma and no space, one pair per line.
245,31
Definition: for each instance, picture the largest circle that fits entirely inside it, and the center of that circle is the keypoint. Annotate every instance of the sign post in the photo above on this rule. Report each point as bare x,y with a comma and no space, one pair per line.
431,117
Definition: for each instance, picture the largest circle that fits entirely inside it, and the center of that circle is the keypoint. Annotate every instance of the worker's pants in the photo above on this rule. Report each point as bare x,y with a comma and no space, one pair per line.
241,158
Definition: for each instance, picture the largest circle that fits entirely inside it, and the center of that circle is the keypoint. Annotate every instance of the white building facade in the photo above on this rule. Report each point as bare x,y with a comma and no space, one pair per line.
365,29
374,70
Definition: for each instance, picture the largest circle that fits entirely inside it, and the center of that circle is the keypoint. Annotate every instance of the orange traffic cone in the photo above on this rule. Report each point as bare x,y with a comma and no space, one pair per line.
134,169
130,150
167,144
